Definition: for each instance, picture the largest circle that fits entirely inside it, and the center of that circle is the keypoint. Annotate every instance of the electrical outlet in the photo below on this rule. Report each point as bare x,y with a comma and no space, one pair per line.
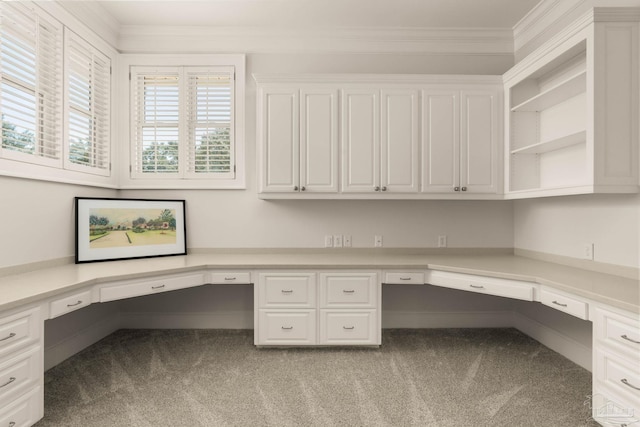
442,241
337,241
328,241
346,241
377,241
588,251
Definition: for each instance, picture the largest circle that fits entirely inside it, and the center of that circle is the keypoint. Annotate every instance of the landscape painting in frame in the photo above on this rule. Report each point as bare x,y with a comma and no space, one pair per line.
116,229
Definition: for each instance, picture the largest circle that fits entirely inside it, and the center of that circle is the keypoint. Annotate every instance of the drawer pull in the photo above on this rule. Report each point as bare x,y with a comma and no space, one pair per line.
12,423
11,335
627,383
348,328
287,328
12,379
287,291
157,287
348,291
558,303
625,337
405,278
477,286
74,304
229,278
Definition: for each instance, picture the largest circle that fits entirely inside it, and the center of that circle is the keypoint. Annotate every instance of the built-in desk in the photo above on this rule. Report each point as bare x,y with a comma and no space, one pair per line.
334,296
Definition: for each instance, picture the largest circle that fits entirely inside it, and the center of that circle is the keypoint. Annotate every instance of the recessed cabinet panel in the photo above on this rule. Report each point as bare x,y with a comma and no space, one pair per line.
24,411
348,327
19,330
319,140
360,141
290,327
19,373
297,290
354,290
440,140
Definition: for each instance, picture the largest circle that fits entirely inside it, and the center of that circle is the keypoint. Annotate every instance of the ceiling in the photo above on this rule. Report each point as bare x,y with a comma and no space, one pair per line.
371,14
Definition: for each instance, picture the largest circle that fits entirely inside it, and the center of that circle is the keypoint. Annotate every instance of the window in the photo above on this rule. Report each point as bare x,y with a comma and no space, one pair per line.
183,123
88,77
30,85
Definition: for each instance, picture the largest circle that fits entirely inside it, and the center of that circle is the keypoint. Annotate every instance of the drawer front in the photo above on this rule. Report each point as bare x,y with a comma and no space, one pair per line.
349,290
349,328
485,285
618,333
68,304
24,411
563,303
134,289
404,278
19,374
619,375
230,277
287,290
19,330
290,327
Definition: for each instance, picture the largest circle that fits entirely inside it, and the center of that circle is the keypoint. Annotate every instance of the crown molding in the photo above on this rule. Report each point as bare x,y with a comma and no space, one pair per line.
332,79
456,41
94,17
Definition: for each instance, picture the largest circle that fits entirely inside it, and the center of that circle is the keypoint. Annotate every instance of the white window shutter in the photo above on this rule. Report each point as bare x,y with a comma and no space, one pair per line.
88,92
30,85
155,122
210,108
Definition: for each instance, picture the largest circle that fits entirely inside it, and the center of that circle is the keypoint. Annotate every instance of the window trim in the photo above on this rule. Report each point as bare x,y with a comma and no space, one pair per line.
125,96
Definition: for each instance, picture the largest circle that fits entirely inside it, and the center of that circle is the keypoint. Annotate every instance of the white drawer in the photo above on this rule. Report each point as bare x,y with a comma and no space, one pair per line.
20,373
229,277
68,304
146,287
349,290
404,278
19,330
338,327
296,290
287,327
23,412
618,333
619,375
564,303
485,285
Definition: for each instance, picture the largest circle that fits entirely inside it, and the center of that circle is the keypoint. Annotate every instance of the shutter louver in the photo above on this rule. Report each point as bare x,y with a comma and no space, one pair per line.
210,123
156,109
31,85
88,105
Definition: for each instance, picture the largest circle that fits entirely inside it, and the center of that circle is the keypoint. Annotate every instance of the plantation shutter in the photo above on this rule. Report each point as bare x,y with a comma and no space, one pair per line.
155,122
30,85
210,110
88,107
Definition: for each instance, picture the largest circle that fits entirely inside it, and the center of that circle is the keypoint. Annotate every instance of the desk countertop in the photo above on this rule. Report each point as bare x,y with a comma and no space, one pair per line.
36,285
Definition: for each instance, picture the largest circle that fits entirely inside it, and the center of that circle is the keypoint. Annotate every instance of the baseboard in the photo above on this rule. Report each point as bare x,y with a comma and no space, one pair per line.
238,319
462,319
568,347
62,350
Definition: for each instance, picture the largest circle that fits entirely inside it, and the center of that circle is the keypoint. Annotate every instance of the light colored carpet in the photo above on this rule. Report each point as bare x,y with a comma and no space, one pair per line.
419,377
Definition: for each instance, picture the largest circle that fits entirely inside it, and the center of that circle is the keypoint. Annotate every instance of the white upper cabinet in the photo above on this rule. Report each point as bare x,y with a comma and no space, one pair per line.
572,110
461,140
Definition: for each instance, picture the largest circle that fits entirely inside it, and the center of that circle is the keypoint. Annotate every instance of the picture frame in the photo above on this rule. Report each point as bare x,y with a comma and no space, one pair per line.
111,229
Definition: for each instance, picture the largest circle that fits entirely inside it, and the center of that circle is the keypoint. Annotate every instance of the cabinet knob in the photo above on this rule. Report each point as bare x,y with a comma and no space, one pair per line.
464,188
377,188
456,188
303,188
295,188
384,188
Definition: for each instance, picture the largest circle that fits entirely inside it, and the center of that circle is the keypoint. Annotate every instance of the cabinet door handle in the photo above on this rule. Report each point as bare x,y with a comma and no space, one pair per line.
558,303
348,328
287,328
11,335
74,304
456,188
157,287
303,188
295,188
384,188
348,291
287,291
627,383
12,423
477,286
464,188
12,379
376,188
625,337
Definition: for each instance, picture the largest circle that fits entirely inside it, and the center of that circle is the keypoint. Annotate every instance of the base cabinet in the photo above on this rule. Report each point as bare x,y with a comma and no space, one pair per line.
309,308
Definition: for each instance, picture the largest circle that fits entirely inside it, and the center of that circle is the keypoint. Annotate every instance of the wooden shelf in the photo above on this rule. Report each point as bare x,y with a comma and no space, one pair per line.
553,144
564,90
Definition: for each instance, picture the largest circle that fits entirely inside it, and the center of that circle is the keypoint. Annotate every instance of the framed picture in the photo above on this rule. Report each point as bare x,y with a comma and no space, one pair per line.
116,229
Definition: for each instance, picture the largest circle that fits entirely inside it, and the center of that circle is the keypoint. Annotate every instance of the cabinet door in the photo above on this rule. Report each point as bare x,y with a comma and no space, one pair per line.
440,140
279,131
479,141
399,141
319,140
360,141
